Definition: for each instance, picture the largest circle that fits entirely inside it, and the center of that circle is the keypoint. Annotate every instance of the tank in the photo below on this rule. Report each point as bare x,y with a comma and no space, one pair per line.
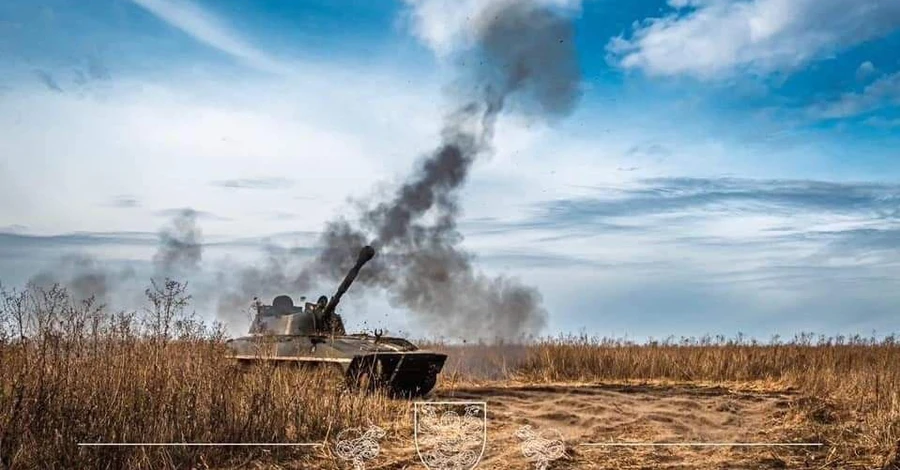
313,335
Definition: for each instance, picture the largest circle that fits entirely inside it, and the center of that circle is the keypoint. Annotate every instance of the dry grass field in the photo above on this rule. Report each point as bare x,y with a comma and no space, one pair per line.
73,372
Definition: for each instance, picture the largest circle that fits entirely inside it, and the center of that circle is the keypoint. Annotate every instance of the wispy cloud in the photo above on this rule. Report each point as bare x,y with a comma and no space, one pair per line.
883,123
255,183
48,80
16,240
79,78
712,39
444,25
756,224
865,71
678,252
210,30
175,212
124,201
518,259
648,151
672,195
882,93
96,69
665,255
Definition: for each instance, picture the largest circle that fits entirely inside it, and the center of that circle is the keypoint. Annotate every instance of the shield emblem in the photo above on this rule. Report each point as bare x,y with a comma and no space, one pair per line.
450,435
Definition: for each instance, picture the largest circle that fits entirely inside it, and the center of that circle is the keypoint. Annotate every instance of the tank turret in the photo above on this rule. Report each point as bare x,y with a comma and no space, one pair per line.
283,318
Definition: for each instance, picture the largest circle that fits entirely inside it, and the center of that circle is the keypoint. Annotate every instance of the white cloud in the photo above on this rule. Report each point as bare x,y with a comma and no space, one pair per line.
206,28
711,39
777,255
335,133
865,70
445,25
879,94
166,143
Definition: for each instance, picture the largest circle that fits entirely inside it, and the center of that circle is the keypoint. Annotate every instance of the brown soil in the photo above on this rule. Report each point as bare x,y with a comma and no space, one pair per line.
585,414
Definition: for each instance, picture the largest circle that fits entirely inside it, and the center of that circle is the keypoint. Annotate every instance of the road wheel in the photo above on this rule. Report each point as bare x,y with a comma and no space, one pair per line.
366,377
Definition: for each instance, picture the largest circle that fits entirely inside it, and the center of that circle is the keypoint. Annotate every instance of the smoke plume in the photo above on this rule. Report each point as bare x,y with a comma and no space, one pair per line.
178,253
521,59
238,284
524,59
180,248
81,274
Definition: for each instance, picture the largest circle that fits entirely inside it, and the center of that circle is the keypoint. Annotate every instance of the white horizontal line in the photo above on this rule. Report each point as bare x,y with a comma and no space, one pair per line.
207,444
703,444
291,358
451,403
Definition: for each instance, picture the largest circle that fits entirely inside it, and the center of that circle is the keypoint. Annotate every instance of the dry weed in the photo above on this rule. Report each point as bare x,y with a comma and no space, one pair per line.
72,372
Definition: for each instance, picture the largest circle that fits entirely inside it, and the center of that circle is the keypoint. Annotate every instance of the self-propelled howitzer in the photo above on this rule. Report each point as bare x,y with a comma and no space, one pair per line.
313,335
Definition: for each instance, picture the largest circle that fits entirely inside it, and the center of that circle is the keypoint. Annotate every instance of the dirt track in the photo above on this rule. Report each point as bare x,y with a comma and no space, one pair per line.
621,413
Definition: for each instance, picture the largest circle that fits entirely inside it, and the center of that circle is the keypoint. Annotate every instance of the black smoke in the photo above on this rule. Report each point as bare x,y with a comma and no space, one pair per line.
180,245
523,59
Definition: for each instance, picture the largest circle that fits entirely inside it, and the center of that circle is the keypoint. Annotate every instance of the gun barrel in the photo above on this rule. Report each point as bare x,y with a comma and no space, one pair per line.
366,254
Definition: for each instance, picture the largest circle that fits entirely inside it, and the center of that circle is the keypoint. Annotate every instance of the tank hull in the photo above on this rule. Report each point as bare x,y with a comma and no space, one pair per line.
367,362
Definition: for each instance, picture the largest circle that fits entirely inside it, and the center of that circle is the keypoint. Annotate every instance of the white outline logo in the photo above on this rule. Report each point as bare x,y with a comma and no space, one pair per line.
359,445
447,439
541,447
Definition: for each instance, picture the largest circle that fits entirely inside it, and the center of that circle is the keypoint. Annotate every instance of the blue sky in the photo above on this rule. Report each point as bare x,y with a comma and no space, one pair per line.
731,166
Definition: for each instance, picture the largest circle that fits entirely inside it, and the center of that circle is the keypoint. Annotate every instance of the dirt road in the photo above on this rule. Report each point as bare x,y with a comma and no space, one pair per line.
597,414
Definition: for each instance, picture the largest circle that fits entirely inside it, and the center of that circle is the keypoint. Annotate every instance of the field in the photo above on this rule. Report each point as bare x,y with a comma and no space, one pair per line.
71,372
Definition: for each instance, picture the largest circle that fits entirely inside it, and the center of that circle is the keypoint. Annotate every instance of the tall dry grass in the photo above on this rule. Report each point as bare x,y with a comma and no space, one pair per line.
72,373
850,386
